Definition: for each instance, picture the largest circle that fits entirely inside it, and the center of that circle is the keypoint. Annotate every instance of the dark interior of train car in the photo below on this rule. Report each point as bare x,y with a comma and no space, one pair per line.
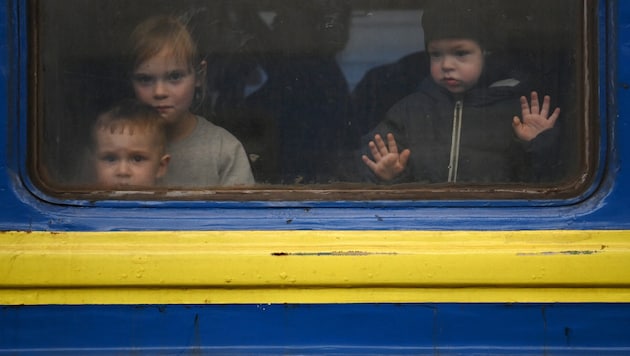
298,83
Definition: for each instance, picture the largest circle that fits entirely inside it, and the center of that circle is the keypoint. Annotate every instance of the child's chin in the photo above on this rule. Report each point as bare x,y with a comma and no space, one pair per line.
455,90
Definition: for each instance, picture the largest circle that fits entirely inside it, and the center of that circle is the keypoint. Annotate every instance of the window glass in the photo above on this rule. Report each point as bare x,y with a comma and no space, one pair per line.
286,98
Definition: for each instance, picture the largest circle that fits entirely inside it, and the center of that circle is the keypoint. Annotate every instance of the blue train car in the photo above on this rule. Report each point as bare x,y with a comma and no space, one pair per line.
325,268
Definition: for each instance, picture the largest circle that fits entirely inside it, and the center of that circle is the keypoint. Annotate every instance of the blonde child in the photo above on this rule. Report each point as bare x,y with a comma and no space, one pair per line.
129,143
168,74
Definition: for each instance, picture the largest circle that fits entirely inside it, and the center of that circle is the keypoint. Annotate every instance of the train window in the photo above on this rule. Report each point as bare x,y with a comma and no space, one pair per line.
313,100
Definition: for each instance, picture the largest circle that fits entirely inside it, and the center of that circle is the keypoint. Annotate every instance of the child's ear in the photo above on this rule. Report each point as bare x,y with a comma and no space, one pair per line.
163,166
200,76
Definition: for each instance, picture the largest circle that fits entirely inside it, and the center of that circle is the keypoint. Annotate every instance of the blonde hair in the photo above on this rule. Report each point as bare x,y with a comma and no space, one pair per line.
132,115
153,35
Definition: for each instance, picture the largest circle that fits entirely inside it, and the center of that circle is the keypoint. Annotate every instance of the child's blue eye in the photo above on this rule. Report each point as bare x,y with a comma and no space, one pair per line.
109,158
435,55
138,158
462,53
143,79
176,76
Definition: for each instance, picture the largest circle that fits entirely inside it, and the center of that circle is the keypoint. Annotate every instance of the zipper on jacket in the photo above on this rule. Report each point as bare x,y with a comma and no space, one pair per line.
455,138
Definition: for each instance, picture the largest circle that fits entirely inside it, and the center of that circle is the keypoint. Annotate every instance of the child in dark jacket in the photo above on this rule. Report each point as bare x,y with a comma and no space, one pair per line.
462,125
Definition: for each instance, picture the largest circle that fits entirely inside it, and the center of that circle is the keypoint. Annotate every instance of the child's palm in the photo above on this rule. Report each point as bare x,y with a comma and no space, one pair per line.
387,163
535,119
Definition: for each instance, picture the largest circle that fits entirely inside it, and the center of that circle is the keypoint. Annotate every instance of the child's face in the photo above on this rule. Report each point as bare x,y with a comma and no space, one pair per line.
166,84
125,160
456,64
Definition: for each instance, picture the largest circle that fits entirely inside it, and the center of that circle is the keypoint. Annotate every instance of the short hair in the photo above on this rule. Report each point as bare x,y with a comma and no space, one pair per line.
132,115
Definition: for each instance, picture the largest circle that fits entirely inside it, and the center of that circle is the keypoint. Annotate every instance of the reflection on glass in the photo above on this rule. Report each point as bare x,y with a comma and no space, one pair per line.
299,89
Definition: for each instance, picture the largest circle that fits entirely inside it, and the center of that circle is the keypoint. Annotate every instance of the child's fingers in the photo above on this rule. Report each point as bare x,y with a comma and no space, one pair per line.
380,145
516,122
374,151
544,112
368,162
535,109
391,143
525,106
554,117
404,157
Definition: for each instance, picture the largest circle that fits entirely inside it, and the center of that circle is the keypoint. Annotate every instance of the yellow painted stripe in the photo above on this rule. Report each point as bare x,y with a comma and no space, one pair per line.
313,267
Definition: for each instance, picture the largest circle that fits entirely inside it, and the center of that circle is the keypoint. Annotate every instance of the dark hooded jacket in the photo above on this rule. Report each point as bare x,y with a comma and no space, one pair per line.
467,138
488,149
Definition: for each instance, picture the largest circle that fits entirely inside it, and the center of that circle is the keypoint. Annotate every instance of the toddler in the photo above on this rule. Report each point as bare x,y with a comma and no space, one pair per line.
462,124
129,143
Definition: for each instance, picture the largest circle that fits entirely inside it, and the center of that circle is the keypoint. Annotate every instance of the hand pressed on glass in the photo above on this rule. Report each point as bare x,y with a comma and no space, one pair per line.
535,119
388,162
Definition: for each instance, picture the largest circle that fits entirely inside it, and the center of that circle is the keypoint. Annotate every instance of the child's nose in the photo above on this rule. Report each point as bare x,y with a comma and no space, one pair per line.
123,169
447,63
159,90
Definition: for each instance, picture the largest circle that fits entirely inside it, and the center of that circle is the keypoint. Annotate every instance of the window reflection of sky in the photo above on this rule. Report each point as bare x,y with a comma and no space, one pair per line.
376,38
379,37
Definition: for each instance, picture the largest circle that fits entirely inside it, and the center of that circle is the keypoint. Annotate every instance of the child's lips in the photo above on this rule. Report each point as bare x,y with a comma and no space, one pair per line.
163,109
451,82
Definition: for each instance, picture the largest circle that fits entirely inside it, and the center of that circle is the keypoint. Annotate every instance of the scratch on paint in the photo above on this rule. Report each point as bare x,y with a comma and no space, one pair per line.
332,253
552,253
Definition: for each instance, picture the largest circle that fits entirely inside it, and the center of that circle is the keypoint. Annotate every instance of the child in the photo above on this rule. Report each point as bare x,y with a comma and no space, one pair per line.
128,146
461,125
168,74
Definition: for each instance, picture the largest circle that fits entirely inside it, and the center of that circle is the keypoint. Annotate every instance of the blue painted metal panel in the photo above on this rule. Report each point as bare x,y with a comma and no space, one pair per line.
321,329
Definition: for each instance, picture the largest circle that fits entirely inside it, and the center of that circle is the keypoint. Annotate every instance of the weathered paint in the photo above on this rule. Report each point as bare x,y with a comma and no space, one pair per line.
352,284
314,267
320,329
